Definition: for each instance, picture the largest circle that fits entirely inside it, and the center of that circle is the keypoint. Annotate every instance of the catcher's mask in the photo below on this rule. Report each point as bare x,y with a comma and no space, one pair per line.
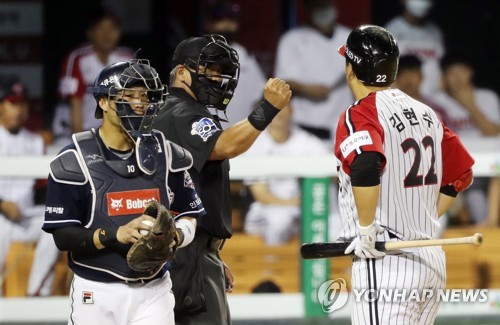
214,68
138,93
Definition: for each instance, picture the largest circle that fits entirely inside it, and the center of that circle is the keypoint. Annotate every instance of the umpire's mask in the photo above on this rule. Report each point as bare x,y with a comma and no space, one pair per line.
214,68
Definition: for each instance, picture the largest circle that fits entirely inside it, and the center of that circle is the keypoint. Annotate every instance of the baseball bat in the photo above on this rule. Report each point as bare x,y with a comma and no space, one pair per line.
336,249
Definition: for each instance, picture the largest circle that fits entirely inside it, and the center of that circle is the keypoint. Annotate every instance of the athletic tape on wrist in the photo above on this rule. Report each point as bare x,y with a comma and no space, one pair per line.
186,230
262,115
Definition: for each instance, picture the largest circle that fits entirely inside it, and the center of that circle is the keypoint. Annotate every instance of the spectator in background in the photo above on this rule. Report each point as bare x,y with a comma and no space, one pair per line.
223,19
275,213
417,35
20,219
307,59
409,80
474,114
81,66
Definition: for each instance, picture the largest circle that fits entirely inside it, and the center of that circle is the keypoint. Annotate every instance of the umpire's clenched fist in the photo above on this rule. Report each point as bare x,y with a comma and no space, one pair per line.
277,92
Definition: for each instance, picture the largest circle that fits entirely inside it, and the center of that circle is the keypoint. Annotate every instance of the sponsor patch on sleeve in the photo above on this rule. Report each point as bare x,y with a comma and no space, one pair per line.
354,142
205,128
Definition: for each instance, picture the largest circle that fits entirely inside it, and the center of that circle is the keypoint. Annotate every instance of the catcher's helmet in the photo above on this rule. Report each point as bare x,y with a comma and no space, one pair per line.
373,53
118,77
113,82
210,51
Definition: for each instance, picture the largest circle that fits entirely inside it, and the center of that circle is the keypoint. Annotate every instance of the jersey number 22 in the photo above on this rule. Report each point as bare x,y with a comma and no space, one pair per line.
413,178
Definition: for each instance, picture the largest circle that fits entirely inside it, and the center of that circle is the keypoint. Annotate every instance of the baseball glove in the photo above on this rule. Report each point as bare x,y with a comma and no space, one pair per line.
151,251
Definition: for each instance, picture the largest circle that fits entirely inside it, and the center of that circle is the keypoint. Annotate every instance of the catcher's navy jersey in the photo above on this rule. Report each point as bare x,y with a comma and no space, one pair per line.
189,124
101,198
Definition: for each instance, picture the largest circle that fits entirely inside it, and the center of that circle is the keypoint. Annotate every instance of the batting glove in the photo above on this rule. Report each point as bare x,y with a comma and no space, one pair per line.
364,244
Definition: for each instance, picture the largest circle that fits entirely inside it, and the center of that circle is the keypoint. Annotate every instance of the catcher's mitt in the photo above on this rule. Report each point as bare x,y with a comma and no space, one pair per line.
151,251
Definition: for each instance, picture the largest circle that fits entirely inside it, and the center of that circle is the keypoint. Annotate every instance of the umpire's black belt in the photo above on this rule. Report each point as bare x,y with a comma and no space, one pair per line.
212,243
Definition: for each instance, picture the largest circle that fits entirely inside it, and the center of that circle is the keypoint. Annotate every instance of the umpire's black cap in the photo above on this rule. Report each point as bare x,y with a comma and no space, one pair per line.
208,49
189,48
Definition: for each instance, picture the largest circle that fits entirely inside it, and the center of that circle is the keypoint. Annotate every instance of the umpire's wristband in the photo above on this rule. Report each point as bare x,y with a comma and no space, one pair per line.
262,115
107,237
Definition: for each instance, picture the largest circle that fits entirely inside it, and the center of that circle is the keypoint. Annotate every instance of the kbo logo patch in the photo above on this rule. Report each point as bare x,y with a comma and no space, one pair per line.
130,202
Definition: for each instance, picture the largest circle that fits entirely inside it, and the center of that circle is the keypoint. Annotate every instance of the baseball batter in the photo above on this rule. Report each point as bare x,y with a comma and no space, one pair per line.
400,168
98,189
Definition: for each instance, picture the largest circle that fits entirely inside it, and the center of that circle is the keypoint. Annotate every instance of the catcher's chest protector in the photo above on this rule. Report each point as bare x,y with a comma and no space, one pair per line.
117,199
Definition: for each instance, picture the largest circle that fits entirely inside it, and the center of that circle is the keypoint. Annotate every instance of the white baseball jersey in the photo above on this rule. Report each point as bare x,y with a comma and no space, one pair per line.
277,223
426,42
15,189
28,229
420,154
300,143
250,87
79,71
307,56
458,117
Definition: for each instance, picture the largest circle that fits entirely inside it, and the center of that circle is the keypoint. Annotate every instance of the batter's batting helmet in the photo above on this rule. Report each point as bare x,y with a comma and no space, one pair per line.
373,53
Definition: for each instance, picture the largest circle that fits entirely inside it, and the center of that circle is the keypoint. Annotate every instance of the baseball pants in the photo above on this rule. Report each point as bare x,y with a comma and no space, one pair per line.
120,303
423,269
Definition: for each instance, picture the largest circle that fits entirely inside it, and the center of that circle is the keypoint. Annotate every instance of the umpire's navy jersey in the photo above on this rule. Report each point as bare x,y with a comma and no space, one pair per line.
92,186
192,126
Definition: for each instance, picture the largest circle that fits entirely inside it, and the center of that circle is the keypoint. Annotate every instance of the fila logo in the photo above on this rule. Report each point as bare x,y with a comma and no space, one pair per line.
352,56
87,297
130,202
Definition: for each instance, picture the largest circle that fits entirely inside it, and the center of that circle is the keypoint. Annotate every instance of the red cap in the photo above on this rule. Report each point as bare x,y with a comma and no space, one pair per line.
13,92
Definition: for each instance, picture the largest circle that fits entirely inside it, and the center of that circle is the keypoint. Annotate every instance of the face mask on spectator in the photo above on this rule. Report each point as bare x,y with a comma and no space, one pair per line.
418,8
324,17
